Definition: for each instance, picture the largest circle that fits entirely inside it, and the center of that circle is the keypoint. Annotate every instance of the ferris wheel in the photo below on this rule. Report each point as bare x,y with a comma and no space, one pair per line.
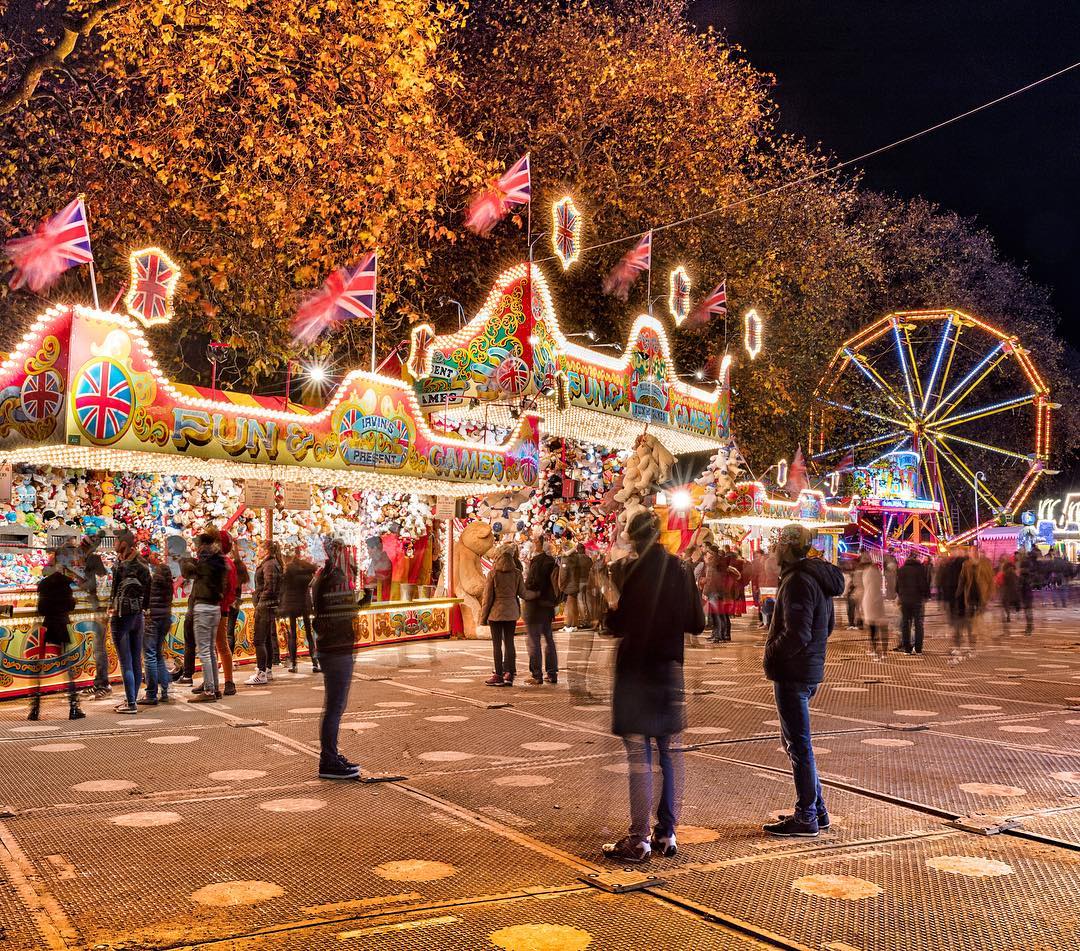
961,395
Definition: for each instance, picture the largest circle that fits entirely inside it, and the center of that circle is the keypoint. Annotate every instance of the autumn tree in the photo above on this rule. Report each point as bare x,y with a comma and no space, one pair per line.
262,142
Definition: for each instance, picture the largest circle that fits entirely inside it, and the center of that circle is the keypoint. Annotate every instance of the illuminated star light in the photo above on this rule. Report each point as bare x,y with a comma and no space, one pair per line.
753,331
566,224
679,297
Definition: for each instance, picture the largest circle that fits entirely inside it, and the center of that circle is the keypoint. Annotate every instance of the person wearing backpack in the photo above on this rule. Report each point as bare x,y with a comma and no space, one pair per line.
539,611
207,571
266,599
129,602
795,663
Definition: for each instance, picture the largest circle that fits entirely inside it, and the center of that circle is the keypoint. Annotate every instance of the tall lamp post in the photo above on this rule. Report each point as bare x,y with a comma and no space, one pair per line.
980,476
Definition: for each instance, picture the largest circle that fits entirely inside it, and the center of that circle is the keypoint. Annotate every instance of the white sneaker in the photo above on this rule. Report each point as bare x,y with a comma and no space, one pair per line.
269,676
257,679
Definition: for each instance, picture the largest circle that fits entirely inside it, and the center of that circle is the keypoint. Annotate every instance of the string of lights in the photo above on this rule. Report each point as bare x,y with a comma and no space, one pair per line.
828,169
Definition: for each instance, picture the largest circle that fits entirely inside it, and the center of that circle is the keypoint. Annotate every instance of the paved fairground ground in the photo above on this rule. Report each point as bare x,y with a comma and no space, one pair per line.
205,825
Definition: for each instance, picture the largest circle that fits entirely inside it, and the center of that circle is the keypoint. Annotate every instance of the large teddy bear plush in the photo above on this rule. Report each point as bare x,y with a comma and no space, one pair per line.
476,541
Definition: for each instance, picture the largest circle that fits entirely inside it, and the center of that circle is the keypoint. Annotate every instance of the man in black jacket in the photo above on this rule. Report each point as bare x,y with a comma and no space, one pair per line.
539,610
795,662
912,591
129,604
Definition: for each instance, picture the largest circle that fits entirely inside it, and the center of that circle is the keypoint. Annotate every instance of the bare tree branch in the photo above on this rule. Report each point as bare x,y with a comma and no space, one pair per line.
73,32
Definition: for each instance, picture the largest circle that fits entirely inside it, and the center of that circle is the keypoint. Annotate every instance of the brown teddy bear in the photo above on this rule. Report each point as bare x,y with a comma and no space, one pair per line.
476,541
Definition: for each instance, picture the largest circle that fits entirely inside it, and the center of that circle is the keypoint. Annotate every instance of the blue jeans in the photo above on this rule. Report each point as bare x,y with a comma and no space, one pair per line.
337,678
157,671
639,756
127,635
793,706
101,654
537,633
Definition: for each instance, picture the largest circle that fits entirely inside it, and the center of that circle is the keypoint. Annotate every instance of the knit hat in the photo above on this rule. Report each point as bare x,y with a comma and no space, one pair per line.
796,536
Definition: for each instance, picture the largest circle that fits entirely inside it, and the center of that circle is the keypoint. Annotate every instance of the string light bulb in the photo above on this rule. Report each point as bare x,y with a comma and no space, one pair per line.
753,331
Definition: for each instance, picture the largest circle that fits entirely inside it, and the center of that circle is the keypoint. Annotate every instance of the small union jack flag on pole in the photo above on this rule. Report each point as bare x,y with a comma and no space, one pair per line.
512,188
58,243
347,294
636,260
153,280
714,305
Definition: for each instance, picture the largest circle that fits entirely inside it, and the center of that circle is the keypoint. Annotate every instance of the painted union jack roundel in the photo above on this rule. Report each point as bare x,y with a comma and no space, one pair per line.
42,395
512,376
104,401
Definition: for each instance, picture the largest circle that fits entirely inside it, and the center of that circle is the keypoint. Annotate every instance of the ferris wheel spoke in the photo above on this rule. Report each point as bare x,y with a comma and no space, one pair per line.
964,471
974,377
876,379
903,364
942,344
936,486
949,420
915,375
876,441
863,412
982,445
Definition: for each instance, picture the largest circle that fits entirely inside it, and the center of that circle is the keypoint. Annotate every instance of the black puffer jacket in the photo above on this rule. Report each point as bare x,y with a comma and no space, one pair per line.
336,609
539,601
295,588
802,621
267,594
161,591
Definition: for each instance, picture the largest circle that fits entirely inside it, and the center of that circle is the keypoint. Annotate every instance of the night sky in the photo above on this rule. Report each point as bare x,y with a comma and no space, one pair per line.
856,74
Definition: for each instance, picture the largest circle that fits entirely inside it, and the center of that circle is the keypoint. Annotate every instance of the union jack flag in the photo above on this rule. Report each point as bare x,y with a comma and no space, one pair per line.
103,401
515,183
513,187
41,395
512,375
153,278
715,305
58,243
347,293
636,260
848,462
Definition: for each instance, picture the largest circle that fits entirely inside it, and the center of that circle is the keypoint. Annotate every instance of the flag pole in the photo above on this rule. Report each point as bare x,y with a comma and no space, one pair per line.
374,310
648,279
93,273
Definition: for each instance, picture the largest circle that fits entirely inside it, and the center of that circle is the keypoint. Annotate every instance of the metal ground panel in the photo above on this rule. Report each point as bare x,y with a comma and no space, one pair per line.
326,846
573,920
947,773
1002,894
17,929
1063,826
576,806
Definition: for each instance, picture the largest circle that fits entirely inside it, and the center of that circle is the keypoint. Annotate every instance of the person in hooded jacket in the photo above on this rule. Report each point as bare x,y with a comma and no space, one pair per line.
500,610
539,609
266,598
912,591
795,663
56,602
335,605
873,610
296,605
658,605
161,599
208,572
229,597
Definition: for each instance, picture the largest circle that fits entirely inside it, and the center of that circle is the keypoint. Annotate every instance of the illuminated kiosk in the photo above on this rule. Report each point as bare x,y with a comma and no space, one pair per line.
892,509
759,516
962,395
83,391
1056,525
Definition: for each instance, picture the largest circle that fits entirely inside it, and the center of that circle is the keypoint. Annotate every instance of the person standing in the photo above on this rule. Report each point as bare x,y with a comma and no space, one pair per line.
912,592
539,610
855,593
658,605
161,598
130,600
335,606
769,582
795,663
757,576
711,580
93,568
1029,573
573,582
733,591
243,578
55,603
948,589
500,610
266,598
296,605
873,610
208,574
229,597
1008,584
975,587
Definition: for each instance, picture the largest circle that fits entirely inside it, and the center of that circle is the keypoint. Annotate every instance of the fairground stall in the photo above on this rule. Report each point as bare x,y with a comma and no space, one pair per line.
99,439
513,359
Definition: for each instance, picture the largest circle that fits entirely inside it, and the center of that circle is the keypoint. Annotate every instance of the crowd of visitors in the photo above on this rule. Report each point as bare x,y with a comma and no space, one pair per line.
649,603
